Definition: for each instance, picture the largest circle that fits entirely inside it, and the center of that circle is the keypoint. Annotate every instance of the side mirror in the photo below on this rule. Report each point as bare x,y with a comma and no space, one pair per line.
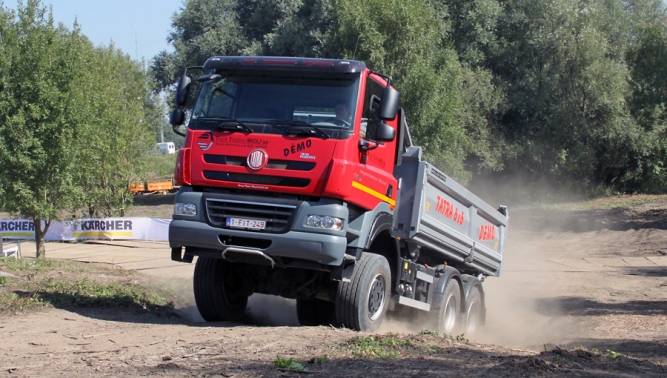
177,117
385,133
390,100
182,90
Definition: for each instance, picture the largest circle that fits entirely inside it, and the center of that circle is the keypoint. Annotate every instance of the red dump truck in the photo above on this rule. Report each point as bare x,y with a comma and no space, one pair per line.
299,179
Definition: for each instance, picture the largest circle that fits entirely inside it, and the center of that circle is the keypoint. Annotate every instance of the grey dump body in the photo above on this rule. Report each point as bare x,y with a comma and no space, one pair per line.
446,220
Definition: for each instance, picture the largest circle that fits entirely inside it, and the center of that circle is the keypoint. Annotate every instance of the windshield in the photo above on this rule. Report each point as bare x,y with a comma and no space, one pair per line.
273,104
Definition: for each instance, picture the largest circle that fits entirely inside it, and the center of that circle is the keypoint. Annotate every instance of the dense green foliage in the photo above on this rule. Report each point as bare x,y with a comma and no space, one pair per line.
73,120
570,92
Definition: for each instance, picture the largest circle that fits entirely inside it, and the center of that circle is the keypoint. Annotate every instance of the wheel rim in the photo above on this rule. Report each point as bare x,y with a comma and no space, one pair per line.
449,320
376,297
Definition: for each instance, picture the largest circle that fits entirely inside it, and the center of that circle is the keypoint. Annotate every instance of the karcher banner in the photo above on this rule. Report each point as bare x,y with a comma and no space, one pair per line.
99,228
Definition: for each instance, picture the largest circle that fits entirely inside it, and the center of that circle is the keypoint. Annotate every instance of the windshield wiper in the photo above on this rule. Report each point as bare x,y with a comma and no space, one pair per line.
230,124
299,128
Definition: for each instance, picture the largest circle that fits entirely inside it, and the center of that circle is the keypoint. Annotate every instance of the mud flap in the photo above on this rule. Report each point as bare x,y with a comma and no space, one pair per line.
343,272
178,255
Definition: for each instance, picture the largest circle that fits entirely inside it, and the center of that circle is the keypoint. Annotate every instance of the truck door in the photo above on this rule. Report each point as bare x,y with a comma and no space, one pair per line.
375,179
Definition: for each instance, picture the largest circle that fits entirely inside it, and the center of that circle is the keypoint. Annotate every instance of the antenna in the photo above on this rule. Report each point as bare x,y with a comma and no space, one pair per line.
136,43
355,47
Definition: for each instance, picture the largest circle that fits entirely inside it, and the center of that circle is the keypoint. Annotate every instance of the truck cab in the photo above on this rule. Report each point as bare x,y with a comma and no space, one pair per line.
289,186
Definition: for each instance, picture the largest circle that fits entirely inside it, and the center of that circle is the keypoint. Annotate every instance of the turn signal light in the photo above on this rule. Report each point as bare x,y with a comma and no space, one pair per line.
183,173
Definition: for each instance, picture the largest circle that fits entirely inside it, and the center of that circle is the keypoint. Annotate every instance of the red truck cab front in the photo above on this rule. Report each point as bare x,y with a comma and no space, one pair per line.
278,153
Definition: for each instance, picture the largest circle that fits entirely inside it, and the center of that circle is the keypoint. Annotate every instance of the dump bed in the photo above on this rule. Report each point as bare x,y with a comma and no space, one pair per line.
447,220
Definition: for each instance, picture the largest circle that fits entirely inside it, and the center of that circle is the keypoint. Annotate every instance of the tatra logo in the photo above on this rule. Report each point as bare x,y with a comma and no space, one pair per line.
257,159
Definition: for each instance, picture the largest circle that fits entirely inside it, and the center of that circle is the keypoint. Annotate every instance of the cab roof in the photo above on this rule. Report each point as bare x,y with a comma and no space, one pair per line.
284,63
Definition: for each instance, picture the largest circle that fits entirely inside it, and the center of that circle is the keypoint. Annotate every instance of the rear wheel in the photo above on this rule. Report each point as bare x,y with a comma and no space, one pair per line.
450,311
473,314
361,304
216,291
315,312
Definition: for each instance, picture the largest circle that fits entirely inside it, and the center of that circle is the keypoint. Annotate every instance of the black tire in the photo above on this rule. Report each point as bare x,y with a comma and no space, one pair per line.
473,314
315,312
361,304
449,316
214,291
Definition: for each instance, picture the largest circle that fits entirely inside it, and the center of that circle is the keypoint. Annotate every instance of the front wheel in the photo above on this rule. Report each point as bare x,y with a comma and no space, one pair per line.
361,304
217,290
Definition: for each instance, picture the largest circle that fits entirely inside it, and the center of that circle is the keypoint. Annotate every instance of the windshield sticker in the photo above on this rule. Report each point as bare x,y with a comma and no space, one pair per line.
297,147
233,141
305,155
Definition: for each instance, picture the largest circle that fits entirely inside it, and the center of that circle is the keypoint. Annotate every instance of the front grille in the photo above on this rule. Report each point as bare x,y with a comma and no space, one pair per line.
278,217
238,161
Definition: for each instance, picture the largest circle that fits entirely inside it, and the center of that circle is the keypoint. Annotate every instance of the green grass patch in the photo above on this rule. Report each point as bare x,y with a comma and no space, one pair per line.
288,363
38,284
376,346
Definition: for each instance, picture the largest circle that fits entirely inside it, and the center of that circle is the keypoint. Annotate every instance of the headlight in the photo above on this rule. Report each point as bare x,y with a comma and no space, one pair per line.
185,209
324,221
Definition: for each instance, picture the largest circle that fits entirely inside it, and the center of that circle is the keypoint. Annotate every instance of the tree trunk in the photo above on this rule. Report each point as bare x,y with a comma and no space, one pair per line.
39,237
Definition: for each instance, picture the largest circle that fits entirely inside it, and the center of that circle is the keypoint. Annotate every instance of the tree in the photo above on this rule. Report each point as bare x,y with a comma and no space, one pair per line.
407,41
116,129
646,53
566,89
72,120
38,178
205,28
202,28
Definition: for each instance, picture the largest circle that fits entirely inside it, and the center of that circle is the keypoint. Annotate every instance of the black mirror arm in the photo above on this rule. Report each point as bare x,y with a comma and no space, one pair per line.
364,145
175,128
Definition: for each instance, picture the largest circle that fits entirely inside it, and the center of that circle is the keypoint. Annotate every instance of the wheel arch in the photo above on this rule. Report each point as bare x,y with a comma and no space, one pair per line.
441,283
385,245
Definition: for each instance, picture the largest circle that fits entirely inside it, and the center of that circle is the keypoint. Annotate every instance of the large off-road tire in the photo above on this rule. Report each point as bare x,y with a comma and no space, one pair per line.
215,293
473,313
361,304
315,312
449,316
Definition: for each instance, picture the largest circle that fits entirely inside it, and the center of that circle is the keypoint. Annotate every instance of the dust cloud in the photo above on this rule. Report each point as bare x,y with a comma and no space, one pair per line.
270,310
522,305
523,310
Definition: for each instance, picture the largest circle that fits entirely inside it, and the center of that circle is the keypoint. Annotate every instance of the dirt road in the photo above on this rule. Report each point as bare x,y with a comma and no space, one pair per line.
594,278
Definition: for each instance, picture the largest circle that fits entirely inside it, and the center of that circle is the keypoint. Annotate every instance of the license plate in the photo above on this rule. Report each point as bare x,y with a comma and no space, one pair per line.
252,224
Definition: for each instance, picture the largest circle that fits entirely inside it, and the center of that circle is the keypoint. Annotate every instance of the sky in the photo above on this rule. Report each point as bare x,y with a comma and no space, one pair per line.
138,27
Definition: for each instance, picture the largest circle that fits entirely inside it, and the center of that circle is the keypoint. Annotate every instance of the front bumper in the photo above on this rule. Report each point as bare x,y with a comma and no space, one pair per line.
323,249
206,234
